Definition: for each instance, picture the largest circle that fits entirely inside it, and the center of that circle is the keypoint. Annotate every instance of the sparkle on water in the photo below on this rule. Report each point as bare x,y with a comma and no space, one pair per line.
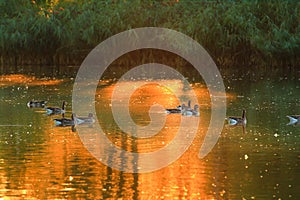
38,160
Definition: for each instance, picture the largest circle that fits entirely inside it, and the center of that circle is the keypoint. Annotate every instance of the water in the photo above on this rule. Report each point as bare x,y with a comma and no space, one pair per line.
40,161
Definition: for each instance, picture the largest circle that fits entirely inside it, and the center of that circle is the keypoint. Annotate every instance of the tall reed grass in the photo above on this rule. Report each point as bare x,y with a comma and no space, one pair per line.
235,33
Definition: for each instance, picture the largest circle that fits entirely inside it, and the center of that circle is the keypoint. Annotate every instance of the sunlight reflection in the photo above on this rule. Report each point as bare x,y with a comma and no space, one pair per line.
20,79
60,167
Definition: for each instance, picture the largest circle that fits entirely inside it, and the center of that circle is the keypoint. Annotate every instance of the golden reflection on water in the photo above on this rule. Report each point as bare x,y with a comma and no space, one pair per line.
61,168
185,178
47,162
139,104
20,79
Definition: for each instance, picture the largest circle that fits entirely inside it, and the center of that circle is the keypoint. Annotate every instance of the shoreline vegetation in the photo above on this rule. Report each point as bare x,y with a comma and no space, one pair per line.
248,35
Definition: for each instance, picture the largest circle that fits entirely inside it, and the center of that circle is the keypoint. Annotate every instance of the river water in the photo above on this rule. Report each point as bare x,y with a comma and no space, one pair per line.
41,161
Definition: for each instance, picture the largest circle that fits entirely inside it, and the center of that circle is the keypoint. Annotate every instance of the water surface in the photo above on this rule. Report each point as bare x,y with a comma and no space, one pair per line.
41,161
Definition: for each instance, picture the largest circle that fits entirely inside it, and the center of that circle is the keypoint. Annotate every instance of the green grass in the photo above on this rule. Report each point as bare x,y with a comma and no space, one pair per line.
235,33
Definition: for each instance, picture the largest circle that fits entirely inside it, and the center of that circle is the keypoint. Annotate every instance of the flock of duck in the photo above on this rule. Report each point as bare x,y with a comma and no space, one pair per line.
63,121
185,110
232,120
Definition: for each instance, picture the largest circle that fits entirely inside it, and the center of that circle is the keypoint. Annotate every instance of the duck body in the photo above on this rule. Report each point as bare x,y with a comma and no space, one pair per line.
237,120
64,122
187,111
196,111
174,110
294,119
36,104
84,120
56,110
179,108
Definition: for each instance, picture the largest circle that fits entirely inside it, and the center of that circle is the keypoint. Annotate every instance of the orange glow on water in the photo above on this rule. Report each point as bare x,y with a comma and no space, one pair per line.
60,167
41,161
20,79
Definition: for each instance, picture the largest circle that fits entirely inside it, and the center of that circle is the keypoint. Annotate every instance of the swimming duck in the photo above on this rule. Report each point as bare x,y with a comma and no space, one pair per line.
64,121
196,111
294,119
56,110
187,111
84,120
178,109
237,120
174,110
36,104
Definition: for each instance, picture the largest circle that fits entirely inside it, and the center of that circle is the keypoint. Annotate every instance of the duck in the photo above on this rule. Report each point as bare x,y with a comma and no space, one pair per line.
238,120
188,111
294,119
64,121
196,111
36,104
178,109
84,120
56,110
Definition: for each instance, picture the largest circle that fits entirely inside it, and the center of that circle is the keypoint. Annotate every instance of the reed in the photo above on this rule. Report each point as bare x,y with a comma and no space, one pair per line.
235,33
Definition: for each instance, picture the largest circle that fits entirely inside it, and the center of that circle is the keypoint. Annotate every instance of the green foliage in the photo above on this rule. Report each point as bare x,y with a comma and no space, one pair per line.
235,33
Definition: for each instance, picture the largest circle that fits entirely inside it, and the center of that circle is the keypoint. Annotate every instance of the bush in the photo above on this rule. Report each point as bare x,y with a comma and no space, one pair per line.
235,33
